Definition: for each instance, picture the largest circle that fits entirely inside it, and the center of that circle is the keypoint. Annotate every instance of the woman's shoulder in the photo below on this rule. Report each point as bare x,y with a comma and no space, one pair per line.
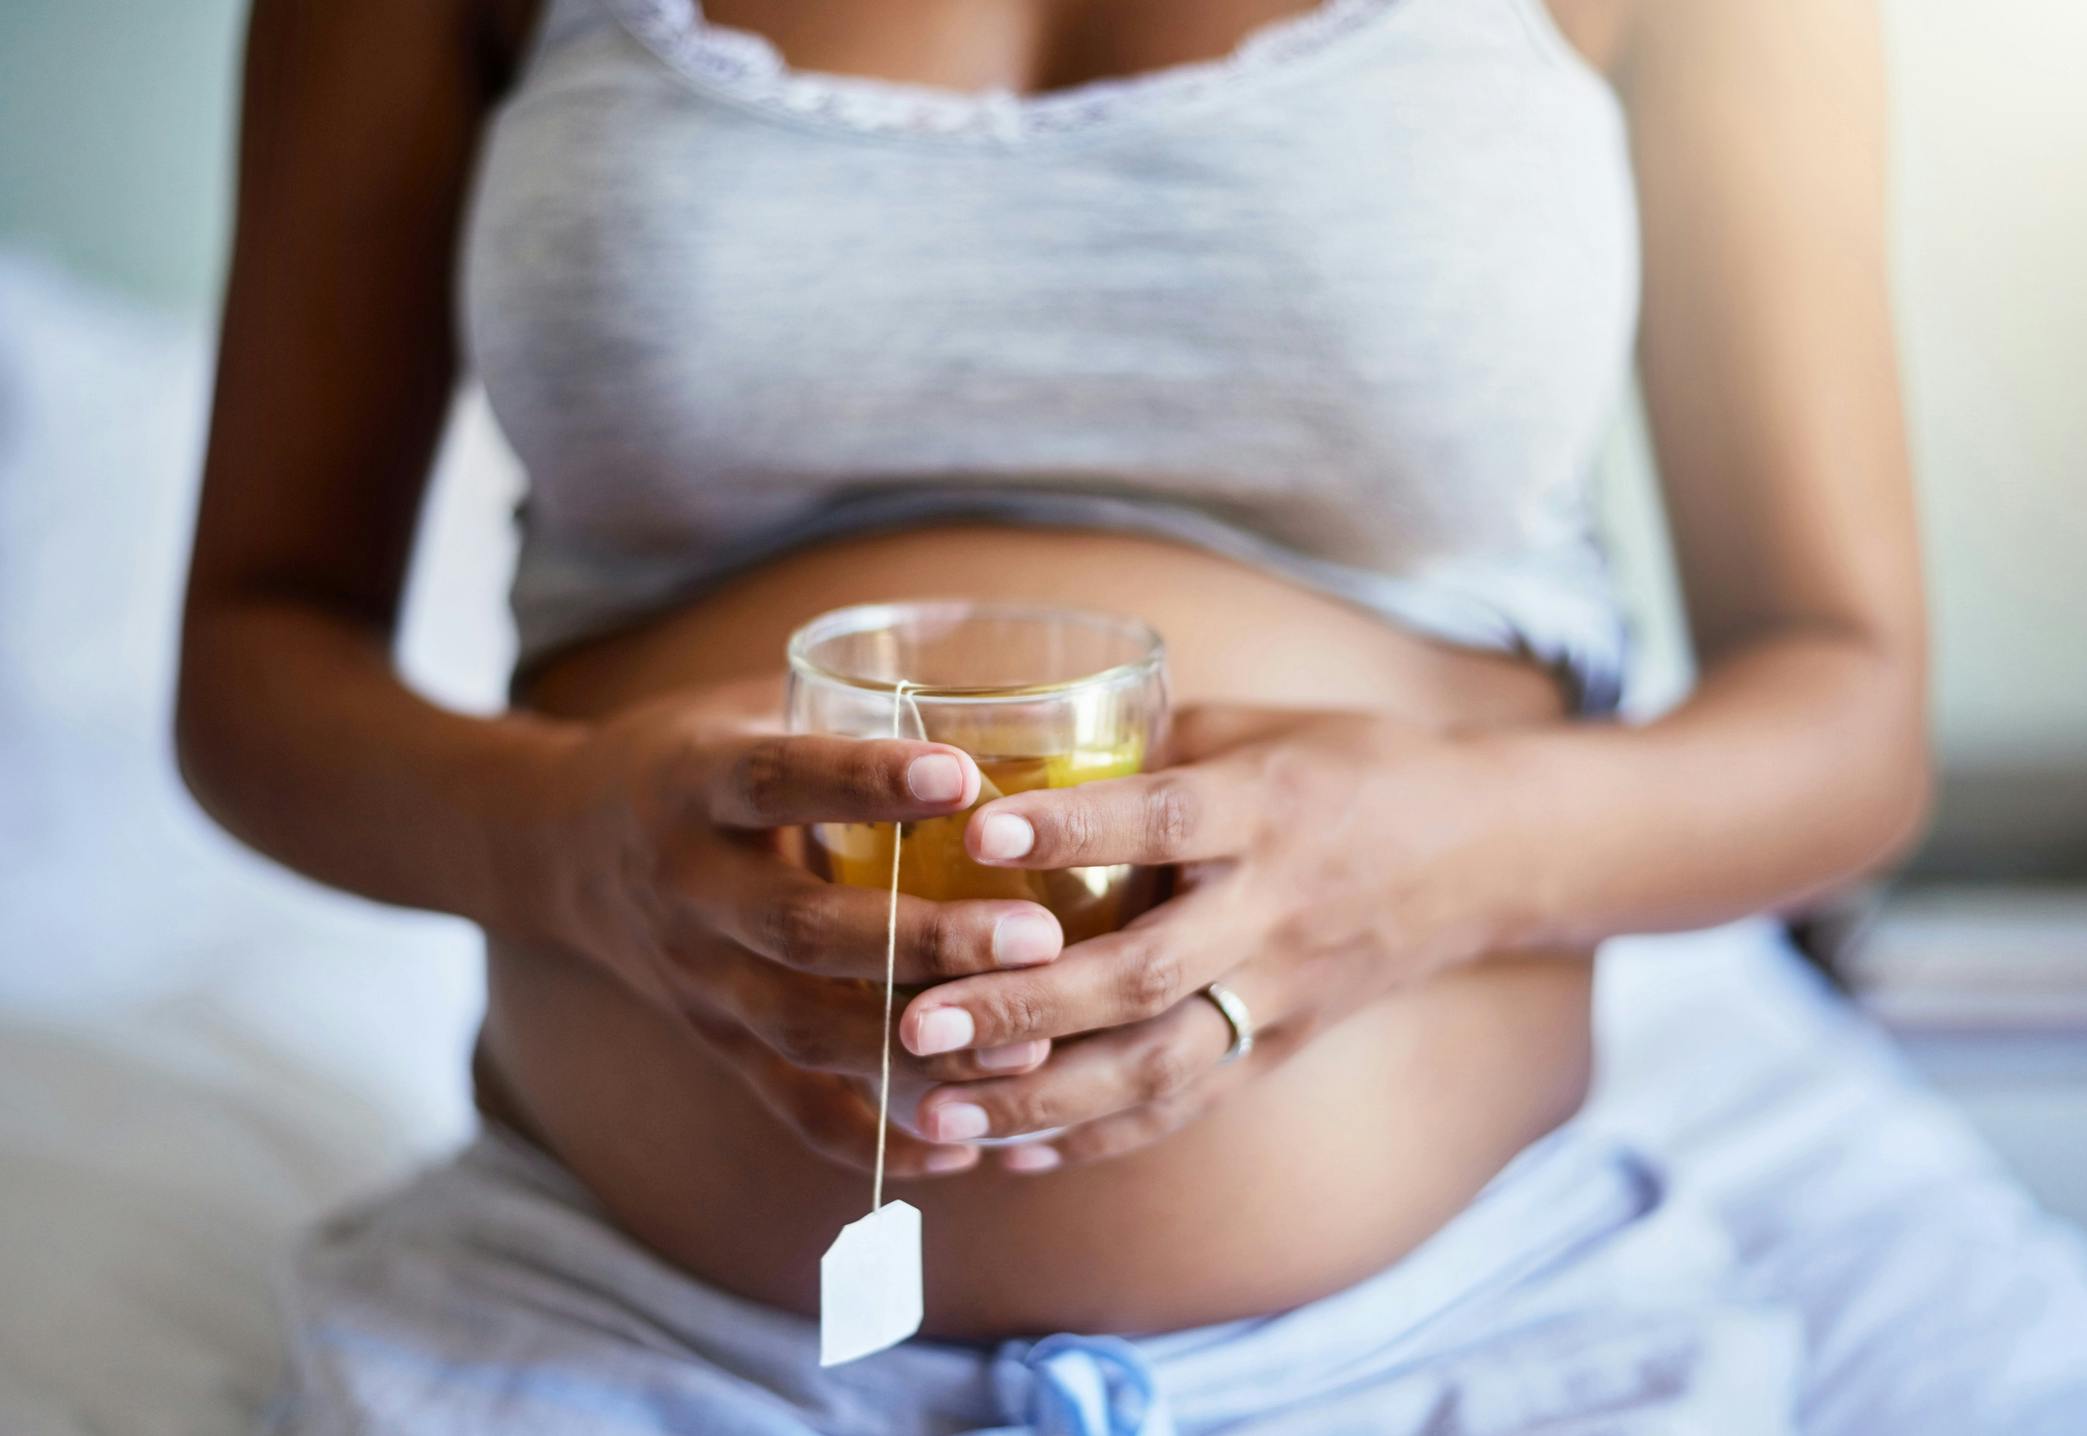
369,40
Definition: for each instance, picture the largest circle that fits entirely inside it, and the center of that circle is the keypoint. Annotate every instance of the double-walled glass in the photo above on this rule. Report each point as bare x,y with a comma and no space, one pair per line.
1041,697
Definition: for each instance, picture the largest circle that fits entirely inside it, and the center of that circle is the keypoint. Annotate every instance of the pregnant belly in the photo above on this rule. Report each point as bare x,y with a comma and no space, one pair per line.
1305,1181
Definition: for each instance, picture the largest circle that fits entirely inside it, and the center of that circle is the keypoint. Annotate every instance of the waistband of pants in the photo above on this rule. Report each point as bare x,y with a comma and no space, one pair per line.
1567,1191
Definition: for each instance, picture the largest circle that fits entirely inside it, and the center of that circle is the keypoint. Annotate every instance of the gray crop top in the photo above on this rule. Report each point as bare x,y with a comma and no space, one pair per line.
1353,304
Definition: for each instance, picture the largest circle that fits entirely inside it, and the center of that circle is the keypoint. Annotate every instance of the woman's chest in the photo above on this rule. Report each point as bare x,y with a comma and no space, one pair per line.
1423,272
1022,46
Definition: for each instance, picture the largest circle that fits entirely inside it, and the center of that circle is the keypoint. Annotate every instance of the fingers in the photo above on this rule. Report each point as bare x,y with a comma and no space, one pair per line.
1094,1077
776,781
823,1025
790,916
1118,1135
1277,1037
831,1114
1110,981
1177,815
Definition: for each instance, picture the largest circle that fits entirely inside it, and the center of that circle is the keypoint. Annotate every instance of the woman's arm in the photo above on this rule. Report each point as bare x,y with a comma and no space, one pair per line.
642,846
335,375
1770,379
1335,856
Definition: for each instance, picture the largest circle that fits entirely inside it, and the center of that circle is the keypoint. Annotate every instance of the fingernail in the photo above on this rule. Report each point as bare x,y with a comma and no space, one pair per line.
1024,939
1013,1055
942,1029
1030,1159
1003,836
957,1122
950,1159
937,778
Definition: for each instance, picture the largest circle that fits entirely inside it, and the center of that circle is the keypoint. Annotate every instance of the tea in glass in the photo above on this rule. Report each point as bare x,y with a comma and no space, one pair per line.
1039,697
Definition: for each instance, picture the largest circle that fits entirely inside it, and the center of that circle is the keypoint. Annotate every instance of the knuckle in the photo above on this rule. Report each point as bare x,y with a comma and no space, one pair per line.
1172,811
1016,1010
1079,829
940,945
1152,979
799,929
1033,1111
803,1041
1162,1070
1099,1141
869,777
761,776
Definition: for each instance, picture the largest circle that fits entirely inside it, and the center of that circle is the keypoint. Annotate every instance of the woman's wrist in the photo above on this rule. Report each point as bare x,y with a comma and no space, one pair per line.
1519,780
533,870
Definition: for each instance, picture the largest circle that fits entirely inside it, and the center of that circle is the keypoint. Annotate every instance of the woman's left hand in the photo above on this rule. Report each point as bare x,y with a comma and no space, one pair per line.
1324,859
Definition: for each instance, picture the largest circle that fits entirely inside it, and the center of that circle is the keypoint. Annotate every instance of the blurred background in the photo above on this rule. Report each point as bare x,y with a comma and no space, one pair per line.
161,994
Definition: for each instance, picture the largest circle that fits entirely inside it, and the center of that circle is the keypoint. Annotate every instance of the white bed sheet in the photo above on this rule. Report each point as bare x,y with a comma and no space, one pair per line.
1936,1296
154,1162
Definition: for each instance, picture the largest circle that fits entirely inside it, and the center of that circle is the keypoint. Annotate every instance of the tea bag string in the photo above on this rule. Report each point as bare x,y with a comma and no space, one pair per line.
891,964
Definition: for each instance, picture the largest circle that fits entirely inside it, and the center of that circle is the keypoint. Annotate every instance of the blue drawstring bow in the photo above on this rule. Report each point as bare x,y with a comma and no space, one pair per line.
1077,1386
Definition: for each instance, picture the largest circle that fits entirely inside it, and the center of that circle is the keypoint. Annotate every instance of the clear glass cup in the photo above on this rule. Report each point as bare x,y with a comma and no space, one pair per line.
1041,697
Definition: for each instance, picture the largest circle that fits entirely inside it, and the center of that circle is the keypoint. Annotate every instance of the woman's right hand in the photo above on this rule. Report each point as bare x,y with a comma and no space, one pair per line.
666,827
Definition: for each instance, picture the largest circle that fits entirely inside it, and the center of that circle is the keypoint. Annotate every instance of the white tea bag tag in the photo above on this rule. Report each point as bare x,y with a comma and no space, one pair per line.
869,1285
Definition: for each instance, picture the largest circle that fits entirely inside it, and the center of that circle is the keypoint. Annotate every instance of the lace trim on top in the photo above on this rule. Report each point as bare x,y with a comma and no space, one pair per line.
749,67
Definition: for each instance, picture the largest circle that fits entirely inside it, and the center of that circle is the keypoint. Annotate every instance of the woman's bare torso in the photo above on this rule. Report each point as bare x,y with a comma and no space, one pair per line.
1307,1180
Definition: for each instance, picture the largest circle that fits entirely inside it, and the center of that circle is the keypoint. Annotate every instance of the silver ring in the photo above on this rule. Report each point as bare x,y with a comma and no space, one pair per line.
1236,1017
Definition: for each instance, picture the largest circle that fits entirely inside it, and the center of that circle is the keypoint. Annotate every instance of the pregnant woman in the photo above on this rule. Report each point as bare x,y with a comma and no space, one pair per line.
1290,329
